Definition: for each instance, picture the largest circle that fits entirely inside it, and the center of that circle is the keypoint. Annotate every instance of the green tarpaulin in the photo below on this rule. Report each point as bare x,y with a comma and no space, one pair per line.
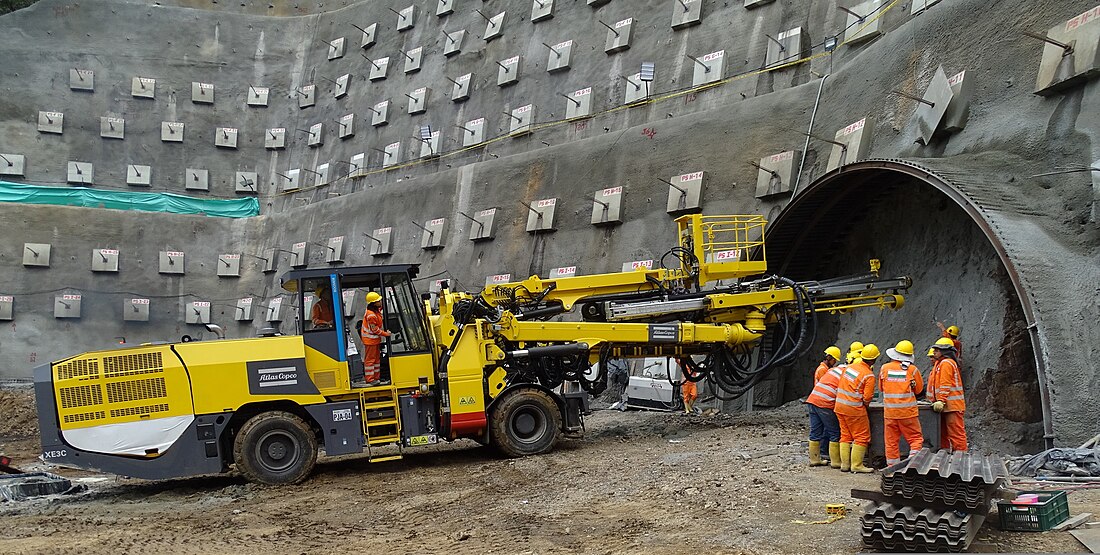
128,200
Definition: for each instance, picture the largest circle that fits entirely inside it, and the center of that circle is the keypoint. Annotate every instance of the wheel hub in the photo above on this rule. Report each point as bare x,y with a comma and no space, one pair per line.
277,450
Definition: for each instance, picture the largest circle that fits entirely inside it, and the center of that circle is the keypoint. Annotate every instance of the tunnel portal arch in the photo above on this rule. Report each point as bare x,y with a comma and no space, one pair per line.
808,226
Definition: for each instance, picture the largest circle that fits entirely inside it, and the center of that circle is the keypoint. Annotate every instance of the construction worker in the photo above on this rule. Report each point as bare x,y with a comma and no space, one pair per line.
690,391
900,382
322,314
819,404
946,388
856,389
853,351
952,333
372,332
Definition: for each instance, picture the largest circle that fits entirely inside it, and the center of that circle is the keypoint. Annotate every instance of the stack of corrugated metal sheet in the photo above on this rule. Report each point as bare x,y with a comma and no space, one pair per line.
935,501
889,527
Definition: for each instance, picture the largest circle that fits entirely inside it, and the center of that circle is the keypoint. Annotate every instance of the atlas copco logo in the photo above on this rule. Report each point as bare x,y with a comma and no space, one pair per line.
270,377
278,377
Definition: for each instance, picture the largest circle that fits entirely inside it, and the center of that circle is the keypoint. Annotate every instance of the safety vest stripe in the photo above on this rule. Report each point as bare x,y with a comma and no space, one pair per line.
825,396
851,373
826,387
897,395
954,389
901,405
849,403
897,374
955,398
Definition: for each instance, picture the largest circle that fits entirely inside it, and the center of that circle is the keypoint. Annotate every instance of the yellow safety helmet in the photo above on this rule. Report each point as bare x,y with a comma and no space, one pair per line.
373,297
869,352
931,352
904,347
944,344
953,331
834,352
855,347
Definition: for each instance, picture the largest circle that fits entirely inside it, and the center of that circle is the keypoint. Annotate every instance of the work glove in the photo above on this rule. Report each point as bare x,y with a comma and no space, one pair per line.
938,406
913,386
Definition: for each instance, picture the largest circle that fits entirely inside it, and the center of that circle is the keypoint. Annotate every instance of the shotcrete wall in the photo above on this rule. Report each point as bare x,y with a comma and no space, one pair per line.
718,130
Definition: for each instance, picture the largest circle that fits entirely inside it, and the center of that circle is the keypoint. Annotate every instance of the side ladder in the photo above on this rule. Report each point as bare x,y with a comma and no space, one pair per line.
381,421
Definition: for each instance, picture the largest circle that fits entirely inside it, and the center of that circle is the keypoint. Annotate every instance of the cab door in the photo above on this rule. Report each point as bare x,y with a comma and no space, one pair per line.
410,354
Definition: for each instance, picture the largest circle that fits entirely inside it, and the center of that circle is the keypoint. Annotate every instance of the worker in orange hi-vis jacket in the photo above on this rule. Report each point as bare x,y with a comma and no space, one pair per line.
819,404
322,315
372,333
952,333
856,389
900,382
946,389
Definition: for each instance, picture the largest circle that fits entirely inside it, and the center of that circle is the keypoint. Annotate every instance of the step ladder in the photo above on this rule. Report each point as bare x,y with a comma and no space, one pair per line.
381,421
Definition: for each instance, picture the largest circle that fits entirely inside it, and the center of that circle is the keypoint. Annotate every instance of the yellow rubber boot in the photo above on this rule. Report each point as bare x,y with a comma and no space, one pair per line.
834,454
858,451
845,456
815,454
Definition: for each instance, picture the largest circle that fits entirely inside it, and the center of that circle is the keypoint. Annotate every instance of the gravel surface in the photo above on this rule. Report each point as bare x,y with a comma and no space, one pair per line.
640,483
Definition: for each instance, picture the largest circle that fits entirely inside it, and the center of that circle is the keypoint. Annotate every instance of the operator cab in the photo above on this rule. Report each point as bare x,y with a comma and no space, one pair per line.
330,323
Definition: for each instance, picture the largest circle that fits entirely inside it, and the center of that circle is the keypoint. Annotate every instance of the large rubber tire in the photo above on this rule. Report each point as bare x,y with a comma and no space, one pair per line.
275,448
525,422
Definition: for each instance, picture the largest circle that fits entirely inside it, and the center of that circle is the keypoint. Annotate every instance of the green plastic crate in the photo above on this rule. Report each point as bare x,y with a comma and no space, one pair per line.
1050,511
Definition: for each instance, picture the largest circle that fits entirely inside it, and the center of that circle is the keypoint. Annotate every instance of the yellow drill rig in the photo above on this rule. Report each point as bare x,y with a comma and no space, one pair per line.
488,366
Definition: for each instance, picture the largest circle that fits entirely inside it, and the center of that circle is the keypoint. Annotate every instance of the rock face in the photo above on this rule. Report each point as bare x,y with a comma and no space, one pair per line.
1042,227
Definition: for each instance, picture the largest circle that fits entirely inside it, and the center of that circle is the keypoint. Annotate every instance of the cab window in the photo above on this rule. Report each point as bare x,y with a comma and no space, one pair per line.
317,306
404,316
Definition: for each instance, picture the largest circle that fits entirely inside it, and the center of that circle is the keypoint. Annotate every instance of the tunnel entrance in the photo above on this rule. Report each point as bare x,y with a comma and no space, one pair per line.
917,225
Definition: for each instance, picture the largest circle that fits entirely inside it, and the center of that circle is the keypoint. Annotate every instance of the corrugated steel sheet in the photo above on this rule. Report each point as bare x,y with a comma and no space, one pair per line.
968,467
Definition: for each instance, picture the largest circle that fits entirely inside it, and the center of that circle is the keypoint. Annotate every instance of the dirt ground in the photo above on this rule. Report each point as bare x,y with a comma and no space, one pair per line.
640,482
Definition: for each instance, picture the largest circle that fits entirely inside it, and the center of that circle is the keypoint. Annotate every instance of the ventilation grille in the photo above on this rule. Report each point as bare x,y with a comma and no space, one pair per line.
130,365
81,396
83,416
121,392
134,411
325,380
84,369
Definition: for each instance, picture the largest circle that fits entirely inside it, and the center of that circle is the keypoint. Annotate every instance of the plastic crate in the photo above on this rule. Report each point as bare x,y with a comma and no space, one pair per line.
1050,511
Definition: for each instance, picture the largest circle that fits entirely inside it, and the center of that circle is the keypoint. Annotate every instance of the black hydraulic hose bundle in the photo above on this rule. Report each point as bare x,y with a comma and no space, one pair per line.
733,372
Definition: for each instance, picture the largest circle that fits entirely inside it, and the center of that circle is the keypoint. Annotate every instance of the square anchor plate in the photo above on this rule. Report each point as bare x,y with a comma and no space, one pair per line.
196,179
938,95
560,56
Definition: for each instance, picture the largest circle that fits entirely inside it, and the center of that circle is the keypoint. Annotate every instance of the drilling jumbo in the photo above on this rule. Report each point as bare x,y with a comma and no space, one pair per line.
510,367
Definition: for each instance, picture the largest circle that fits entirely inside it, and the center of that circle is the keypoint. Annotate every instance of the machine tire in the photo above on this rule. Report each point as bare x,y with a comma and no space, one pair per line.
526,422
275,448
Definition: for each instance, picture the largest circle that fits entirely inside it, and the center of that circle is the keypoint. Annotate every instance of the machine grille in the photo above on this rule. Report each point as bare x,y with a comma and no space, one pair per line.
85,369
134,411
83,416
130,365
121,392
325,380
81,396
